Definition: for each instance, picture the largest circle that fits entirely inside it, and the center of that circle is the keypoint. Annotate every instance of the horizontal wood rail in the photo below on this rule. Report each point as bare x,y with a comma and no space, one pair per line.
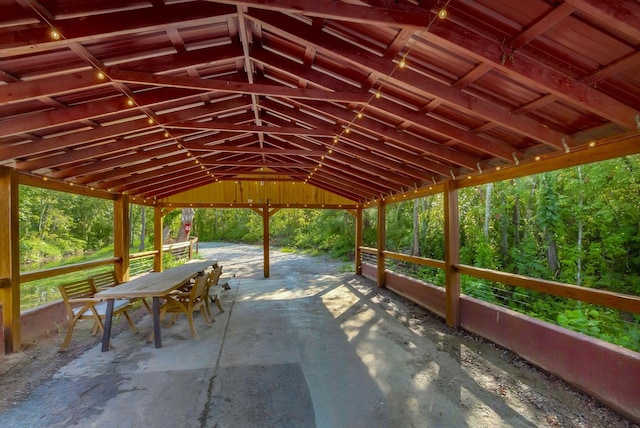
623,302
369,250
48,273
609,299
413,259
142,254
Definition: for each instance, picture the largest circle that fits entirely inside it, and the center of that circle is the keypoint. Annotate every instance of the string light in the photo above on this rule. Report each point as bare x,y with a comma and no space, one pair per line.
55,34
442,14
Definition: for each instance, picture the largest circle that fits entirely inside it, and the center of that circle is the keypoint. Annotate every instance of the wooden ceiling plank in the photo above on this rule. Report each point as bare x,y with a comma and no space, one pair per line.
186,174
416,82
136,181
110,148
259,150
231,127
340,155
179,187
51,86
106,132
542,24
494,148
101,165
619,66
339,11
232,87
412,167
99,25
531,73
381,131
376,130
620,16
135,164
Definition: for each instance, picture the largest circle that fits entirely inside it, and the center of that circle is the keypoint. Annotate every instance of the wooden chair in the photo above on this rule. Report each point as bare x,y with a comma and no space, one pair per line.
80,303
187,302
109,279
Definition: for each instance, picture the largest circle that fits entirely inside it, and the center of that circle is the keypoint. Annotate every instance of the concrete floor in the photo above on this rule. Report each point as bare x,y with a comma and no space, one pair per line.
300,349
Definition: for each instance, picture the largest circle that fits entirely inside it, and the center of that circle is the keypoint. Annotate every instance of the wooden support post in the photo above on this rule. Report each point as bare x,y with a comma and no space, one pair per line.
157,238
265,238
10,260
452,253
121,234
382,241
358,240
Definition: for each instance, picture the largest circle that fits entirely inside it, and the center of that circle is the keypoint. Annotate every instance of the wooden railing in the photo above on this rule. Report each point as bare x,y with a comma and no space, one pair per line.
180,250
48,273
623,302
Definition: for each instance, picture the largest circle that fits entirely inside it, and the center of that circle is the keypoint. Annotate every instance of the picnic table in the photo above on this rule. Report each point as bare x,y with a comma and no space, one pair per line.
154,285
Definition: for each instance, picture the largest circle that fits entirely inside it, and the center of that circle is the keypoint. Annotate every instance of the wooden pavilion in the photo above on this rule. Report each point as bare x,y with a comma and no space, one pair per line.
321,104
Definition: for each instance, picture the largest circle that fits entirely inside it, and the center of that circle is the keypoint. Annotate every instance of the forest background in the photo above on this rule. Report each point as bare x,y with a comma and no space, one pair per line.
578,226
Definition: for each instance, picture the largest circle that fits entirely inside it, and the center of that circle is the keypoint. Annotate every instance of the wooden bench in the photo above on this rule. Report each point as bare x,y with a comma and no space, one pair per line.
109,279
80,303
105,280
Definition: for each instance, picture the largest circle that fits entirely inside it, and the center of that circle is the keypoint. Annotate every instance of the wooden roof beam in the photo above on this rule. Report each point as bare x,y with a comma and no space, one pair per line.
108,149
494,148
371,143
210,85
530,72
230,127
36,38
363,151
618,16
342,157
327,9
413,81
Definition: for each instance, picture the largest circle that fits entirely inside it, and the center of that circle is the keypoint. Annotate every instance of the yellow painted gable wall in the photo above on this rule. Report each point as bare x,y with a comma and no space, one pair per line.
277,193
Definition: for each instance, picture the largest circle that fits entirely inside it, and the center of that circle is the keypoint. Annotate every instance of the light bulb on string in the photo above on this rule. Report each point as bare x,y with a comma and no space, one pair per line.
442,13
55,34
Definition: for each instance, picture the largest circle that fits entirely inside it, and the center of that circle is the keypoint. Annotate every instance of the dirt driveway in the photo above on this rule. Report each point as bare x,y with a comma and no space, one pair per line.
477,366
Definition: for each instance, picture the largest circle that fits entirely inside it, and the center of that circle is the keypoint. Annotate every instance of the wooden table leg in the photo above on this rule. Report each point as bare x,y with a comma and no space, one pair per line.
156,323
106,335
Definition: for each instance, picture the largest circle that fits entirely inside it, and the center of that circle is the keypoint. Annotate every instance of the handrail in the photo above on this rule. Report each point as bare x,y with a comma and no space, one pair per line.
610,299
369,250
48,273
142,254
413,259
176,245
623,302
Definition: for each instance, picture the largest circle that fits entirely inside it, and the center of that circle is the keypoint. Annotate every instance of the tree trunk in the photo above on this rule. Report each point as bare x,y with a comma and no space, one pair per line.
580,227
415,250
143,228
487,210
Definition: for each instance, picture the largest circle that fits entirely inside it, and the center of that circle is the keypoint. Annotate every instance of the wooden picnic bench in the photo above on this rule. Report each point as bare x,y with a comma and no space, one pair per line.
80,302
155,285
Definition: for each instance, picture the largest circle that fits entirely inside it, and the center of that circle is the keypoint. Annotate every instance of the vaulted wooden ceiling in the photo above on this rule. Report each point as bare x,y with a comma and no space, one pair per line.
360,98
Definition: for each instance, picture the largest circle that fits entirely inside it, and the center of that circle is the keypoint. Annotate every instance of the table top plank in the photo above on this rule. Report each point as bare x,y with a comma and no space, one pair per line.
156,284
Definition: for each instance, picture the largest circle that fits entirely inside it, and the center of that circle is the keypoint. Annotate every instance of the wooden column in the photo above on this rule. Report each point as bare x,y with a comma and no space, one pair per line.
121,234
10,260
452,253
358,241
382,241
265,238
157,238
